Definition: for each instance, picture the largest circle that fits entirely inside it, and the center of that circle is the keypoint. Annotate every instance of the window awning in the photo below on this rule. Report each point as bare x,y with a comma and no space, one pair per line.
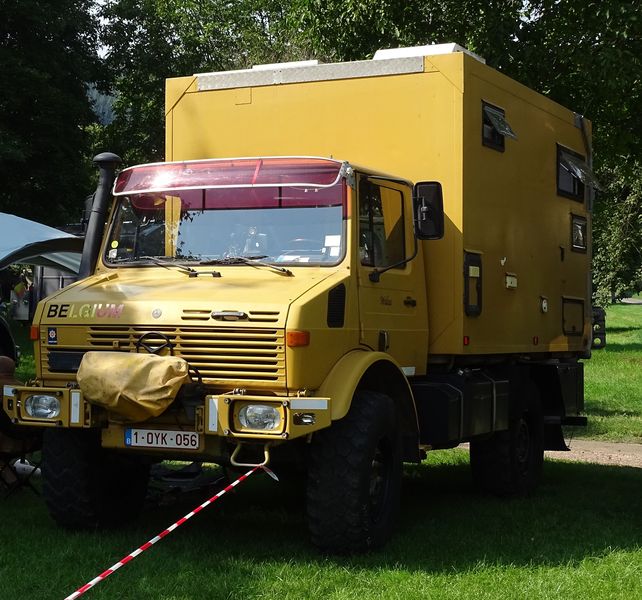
499,122
578,168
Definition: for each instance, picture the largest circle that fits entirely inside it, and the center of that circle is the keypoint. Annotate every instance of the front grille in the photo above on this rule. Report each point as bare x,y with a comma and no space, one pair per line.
254,316
219,354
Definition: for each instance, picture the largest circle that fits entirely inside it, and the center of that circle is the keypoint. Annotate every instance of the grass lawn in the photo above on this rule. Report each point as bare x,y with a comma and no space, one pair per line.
574,539
613,379
26,368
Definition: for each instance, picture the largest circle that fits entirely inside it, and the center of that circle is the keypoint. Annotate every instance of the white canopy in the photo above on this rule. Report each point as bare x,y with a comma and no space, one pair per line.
28,242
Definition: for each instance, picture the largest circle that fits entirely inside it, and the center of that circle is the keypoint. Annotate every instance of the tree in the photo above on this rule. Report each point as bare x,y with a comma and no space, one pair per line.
617,260
355,29
148,41
47,53
588,56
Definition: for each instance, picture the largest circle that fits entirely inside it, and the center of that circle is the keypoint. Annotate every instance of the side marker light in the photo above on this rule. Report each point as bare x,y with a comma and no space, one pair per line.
295,338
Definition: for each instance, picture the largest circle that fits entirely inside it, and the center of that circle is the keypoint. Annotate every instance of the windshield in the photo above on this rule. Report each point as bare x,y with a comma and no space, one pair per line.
279,224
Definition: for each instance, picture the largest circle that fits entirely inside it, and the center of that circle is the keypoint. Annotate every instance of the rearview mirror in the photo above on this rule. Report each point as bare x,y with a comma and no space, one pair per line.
428,209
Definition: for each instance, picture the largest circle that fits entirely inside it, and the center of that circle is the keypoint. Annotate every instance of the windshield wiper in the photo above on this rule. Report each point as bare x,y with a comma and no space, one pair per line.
167,263
247,260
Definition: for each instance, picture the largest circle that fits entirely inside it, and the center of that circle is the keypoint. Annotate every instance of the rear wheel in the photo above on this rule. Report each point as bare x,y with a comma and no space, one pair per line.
354,477
510,462
86,486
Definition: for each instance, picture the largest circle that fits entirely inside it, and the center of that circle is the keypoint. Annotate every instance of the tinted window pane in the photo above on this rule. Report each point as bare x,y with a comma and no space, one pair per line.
381,230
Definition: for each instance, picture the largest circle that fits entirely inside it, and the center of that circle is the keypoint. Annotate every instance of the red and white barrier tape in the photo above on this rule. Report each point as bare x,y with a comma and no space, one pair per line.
123,561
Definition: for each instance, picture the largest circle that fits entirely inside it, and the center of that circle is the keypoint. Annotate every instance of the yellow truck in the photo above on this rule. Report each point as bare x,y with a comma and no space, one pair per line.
340,267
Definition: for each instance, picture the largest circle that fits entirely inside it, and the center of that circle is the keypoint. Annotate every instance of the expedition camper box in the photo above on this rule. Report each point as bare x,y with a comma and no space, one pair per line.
512,163
426,283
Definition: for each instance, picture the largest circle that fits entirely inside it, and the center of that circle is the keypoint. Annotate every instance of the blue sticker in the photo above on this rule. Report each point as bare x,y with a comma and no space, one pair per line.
52,336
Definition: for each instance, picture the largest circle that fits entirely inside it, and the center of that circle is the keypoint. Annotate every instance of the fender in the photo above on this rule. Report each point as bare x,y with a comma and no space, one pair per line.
346,375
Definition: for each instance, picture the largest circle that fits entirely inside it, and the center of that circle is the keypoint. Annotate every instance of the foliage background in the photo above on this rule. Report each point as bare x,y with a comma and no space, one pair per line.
584,54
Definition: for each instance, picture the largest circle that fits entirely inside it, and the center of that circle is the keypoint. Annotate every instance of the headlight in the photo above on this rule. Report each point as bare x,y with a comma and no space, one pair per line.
259,416
42,406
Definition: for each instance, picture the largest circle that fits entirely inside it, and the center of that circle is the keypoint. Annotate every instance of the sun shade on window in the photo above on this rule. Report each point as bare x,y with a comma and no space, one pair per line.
579,169
242,172
498,121
244,198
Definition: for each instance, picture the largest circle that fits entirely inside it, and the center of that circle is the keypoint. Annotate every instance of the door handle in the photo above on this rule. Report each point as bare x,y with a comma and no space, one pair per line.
384,341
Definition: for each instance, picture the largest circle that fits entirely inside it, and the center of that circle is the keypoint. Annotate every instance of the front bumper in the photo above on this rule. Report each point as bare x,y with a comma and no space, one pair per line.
217,416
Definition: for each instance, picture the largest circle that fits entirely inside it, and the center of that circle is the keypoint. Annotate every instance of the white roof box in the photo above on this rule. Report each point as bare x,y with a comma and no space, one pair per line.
428,50
396,61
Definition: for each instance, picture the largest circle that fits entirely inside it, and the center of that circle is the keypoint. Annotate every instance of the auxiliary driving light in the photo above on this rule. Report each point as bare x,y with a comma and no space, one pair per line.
259,416
42,406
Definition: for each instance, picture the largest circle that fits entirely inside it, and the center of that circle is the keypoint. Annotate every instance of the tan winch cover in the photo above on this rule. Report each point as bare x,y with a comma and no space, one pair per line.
133,386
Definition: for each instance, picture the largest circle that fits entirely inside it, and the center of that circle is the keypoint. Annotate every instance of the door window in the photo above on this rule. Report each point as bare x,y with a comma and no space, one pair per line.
381,225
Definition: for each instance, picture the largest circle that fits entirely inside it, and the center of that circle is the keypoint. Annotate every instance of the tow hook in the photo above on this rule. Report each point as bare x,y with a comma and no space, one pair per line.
237,450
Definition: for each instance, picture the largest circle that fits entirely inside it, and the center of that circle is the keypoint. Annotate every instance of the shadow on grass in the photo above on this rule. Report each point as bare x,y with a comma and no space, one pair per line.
616,347
580,510
256,535
596,411
621,329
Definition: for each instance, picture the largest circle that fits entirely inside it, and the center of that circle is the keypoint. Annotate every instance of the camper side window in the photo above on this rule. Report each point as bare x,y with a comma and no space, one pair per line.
571,168
381,231
495,127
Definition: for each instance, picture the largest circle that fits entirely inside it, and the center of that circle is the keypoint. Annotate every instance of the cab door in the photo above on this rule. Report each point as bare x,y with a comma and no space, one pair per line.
393,312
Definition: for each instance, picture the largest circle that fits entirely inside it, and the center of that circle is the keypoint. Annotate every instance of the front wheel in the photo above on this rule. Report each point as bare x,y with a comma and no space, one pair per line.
354,477
86,486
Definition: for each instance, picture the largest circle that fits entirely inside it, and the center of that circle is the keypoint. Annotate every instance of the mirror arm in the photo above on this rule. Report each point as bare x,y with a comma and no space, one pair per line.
375,275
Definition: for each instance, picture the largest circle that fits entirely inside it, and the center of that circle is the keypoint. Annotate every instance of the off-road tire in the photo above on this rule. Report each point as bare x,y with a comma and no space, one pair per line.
86,486
354,477
510,462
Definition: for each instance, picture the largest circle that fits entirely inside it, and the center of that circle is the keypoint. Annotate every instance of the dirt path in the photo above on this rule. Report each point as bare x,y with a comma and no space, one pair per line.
602,453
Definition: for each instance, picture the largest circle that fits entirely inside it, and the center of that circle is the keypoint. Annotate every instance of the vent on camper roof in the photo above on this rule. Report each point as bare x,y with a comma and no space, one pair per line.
429,50
286,65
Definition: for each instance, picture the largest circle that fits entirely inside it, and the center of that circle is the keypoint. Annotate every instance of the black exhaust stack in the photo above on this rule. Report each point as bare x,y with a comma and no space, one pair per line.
107,163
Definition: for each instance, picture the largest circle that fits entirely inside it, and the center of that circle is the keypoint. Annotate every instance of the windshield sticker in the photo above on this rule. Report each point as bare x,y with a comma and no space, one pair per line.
85,311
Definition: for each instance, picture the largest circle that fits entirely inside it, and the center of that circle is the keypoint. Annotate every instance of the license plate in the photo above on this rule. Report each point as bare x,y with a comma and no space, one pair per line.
155,438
